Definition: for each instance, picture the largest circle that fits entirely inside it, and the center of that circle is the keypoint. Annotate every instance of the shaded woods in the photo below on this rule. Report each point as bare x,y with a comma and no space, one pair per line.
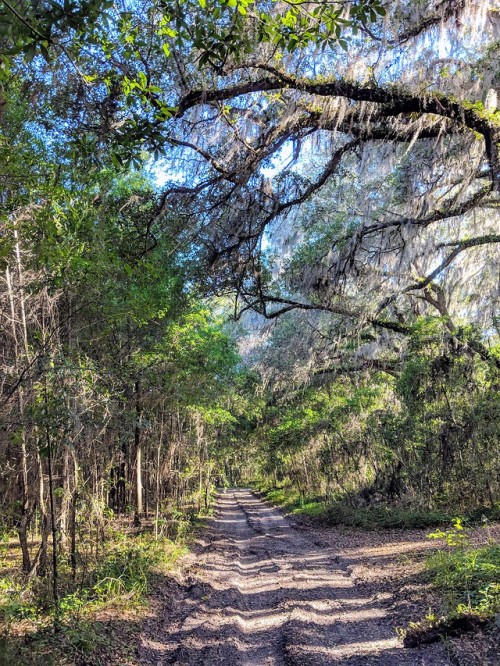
241,242
116,391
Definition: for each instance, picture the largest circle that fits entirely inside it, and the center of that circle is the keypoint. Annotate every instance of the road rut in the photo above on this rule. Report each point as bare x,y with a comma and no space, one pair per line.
265,592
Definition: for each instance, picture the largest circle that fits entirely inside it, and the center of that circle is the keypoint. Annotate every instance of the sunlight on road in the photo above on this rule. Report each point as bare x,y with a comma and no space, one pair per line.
267,595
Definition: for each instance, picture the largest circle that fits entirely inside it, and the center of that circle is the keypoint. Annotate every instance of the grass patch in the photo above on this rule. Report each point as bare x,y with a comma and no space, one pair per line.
468,578
114,588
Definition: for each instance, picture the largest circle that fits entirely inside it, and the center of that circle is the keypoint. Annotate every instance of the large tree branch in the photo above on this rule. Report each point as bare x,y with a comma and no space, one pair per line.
312,119
201,151
394,101
460,246
280,207
361,365
436,216
259,304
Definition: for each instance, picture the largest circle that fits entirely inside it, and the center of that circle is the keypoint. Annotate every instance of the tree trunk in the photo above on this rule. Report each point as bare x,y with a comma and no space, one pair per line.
48,442
65,502
158,458
138,454
39,565
25,502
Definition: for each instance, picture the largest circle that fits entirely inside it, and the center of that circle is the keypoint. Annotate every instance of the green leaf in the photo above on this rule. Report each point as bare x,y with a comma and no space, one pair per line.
45,53
30,53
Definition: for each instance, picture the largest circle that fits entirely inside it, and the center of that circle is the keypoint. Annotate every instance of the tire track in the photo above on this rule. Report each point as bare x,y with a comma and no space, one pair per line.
265,594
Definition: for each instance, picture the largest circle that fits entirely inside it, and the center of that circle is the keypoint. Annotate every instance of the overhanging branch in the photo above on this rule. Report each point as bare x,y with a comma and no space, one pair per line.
393,100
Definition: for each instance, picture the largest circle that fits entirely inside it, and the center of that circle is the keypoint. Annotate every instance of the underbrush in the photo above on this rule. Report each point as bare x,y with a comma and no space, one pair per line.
341,512
293,502
381,515
468,580
98,608
467,576
392,516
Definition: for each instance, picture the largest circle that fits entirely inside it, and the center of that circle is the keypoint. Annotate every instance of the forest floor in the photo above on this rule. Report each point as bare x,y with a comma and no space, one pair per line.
259,589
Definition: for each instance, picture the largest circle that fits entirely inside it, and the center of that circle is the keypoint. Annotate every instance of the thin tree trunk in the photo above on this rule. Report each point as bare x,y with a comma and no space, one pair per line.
158,454
138,455
72,518
48,442
25,502
39,565
65,502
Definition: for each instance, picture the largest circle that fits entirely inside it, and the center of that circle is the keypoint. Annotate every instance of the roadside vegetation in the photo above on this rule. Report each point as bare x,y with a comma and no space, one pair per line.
467,578
242,242
97,618
342,512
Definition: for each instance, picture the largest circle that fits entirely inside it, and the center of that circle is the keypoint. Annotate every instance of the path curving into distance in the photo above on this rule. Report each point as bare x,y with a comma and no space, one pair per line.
265,592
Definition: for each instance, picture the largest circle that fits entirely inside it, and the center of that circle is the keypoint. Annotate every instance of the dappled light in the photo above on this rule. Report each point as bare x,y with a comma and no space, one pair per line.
249,332
266,594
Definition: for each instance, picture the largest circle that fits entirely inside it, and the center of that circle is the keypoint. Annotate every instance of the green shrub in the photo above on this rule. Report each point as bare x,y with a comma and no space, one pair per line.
16,601
313,508
126,569
292,502
469,578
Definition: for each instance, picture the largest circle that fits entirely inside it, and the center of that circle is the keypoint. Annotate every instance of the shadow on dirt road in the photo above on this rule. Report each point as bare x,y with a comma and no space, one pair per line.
264,593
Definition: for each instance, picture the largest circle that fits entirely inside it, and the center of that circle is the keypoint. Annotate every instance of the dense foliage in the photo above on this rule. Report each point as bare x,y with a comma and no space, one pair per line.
422,433
117,380
327,175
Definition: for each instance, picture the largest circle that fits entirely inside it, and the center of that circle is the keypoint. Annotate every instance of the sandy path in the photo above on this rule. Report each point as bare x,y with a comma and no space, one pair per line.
266,593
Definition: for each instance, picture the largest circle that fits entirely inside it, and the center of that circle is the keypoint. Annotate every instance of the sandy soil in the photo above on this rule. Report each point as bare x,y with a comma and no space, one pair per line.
262,590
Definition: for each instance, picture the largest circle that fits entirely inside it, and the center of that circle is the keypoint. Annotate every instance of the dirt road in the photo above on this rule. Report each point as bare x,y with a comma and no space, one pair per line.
265,592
